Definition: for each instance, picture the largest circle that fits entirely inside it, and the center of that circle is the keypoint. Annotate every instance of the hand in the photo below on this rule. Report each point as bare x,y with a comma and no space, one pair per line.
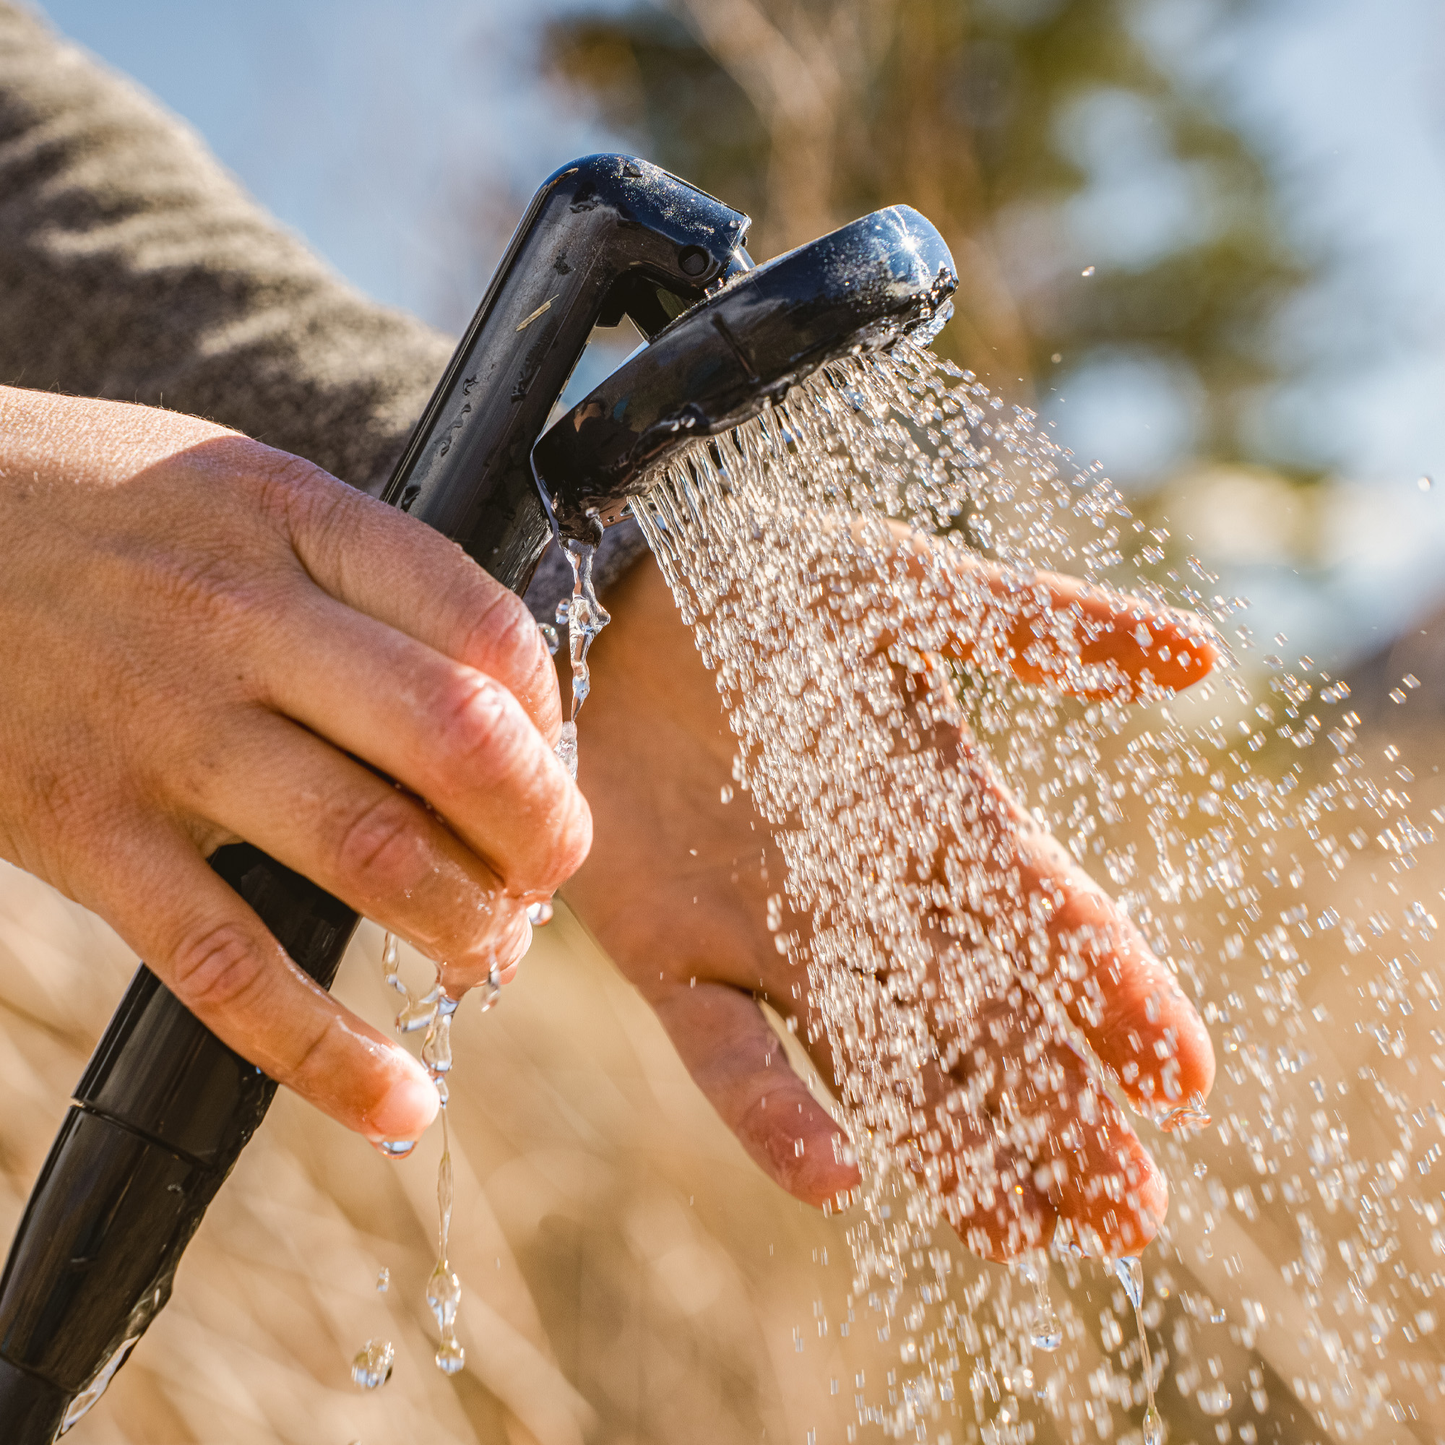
203,639
676,892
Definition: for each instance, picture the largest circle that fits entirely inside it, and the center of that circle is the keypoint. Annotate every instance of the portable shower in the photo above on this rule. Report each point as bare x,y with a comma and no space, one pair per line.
164,1108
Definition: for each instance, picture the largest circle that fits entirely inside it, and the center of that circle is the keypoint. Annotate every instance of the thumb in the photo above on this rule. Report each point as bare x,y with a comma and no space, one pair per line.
737,1060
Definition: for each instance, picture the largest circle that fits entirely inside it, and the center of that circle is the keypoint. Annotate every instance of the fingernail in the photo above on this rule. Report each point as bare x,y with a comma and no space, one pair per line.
403,1113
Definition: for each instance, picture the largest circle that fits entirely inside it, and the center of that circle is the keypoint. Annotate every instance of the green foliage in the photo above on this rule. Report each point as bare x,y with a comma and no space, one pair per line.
978,115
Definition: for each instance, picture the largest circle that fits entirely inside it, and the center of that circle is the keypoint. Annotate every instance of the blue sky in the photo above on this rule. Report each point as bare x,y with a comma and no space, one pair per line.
352,120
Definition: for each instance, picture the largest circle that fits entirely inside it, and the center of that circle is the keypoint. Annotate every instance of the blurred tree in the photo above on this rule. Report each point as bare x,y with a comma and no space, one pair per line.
993,118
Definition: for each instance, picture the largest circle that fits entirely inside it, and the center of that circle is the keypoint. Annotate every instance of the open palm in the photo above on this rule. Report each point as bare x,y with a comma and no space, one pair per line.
676,891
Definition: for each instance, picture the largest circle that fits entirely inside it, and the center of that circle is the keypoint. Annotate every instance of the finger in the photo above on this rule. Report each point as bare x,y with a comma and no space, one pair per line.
217,957
738,1062
1045,627
364,840
1070,1159
1086,640
996,1209
1126,1000
1084,1158
379,561
1094,961
1095,1171
448,732
1026,1138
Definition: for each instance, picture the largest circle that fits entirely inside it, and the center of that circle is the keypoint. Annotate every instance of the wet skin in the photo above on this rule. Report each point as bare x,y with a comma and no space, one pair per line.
202,639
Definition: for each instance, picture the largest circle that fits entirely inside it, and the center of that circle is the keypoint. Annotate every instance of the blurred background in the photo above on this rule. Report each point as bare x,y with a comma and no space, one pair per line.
1200,237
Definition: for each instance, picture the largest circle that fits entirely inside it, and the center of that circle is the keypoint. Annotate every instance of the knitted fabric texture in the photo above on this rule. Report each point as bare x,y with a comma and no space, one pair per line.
134,267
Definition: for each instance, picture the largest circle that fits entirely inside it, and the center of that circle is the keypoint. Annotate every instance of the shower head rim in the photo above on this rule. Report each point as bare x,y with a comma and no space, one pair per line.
860,288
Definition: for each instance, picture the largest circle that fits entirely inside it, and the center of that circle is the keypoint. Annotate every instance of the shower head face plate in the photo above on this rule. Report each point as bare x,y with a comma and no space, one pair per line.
857,289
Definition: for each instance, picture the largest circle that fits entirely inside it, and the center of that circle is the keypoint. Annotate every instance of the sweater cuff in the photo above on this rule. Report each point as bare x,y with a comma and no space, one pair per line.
621,545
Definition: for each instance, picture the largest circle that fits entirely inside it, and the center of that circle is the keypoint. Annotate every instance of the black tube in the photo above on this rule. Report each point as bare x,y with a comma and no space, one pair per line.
164,1107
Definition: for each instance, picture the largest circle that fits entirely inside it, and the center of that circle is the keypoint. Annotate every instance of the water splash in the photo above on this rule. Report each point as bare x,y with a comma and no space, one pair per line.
371,1368
585,617
1275,870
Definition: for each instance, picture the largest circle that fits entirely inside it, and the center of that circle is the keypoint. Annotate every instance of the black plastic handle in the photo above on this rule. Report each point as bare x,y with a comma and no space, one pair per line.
605,237
164,1108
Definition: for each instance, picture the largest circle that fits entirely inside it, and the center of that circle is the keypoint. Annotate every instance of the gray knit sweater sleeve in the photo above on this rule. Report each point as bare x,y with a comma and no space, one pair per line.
133,267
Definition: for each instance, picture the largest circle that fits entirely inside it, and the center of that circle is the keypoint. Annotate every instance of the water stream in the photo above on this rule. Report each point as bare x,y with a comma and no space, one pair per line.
1289,1295
1245,835
585,617
433,1011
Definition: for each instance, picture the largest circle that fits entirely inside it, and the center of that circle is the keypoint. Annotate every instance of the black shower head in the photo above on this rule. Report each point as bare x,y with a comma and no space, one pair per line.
857,289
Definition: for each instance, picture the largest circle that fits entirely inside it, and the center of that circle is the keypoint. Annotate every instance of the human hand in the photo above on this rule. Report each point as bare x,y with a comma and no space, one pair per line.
676,893
203,639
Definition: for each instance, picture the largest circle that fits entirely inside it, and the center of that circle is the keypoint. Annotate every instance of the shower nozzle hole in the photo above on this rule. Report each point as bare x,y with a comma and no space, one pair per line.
693,260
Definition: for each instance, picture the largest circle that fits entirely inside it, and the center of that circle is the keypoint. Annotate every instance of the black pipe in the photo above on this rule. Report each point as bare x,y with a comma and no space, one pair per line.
164,1107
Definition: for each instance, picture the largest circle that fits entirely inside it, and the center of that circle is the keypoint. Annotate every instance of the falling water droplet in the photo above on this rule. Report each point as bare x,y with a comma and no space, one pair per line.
1087,271
444,1295
1153,1426
489,991
1214,1399
383,1281
1046,1332
1425,483
371,1368
1131,1275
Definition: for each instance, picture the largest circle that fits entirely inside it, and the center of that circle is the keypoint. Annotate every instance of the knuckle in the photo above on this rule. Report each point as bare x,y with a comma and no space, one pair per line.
306,503
305,1065
503,638
293,487
383,848
480,732
214,968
